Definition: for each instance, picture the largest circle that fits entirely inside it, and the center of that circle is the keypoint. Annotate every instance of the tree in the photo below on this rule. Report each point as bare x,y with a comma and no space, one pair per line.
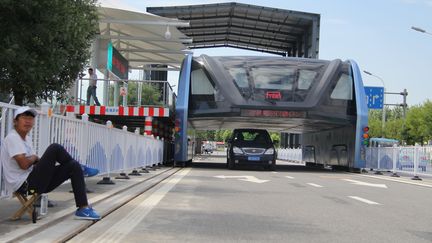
375,123
428,118
275,137
417,129
219,135
44,45
226,135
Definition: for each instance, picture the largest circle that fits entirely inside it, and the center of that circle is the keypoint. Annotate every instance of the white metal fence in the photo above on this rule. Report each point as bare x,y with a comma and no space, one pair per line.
95,145
412,160
292,155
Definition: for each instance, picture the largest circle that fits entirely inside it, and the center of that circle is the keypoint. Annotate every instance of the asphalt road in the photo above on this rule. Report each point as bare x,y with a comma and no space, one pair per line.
209,203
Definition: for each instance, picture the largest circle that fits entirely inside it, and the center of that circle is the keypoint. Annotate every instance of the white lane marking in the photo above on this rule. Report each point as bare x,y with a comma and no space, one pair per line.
243,178
123,227
401,180
313,184
274,172
289,177
361,183
364,200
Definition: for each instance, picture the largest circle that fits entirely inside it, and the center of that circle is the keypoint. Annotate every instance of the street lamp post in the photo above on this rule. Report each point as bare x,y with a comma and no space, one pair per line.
384,111
420,30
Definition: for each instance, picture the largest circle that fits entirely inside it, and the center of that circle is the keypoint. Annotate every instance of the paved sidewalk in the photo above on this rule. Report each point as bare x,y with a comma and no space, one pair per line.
65,205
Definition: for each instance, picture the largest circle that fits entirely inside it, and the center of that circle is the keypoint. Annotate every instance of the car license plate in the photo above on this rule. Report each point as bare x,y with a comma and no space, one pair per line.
253,158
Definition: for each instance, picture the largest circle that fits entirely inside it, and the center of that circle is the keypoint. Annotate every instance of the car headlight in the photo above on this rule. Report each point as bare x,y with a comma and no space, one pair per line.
237,150
269,151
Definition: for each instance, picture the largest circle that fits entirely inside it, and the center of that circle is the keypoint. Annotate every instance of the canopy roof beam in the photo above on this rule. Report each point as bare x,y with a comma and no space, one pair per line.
145,22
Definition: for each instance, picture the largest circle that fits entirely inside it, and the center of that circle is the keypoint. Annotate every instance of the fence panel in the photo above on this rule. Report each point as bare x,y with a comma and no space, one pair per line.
294,155
95,145
411,160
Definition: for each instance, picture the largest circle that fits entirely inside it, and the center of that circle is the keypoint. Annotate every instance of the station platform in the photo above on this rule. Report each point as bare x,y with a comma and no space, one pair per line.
59,224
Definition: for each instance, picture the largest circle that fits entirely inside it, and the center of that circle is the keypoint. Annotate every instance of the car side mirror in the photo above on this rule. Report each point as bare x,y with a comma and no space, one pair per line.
229,140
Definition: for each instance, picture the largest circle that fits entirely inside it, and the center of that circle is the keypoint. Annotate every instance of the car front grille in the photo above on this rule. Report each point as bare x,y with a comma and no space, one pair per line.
253,151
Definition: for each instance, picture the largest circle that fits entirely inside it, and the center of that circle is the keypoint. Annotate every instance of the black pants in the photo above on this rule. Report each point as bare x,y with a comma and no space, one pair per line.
46,175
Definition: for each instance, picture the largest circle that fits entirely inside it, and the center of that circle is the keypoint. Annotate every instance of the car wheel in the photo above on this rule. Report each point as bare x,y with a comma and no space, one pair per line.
272,167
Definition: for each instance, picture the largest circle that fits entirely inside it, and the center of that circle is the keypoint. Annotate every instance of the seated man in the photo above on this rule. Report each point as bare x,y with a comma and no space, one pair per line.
23,168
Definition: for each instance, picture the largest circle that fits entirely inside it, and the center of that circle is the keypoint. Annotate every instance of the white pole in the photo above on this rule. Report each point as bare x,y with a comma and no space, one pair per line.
416,159
84,149
378,172
395,149
383,113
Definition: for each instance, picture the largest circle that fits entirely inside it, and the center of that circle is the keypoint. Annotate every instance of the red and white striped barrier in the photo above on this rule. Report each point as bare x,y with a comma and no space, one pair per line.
119,110
148,125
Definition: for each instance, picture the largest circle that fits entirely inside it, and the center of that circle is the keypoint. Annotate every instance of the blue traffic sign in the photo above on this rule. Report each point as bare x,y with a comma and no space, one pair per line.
375,97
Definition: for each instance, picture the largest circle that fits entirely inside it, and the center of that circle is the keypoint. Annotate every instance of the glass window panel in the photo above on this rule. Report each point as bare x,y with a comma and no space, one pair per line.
200,83
306,78
343,89
240,77
277,78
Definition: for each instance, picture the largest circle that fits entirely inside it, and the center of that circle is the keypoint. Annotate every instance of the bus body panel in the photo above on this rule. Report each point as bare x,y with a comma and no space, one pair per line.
362,117
182,141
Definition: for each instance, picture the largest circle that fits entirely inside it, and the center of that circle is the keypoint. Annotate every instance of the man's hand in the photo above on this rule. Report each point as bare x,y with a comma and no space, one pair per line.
34,158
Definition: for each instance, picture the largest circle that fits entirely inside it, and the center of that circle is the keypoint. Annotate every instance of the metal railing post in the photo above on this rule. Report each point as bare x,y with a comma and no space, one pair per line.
107,180
44,128
378,172
416,163
123,175
84,138
394,174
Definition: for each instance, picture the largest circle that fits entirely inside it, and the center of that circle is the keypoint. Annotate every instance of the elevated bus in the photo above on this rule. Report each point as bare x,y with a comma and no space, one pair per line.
323,101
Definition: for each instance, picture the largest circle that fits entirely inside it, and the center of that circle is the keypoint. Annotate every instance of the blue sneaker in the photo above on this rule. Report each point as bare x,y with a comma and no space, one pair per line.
88,172
87,213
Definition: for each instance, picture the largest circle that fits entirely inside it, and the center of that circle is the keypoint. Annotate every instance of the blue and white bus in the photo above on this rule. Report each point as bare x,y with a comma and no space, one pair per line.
323,101
383,142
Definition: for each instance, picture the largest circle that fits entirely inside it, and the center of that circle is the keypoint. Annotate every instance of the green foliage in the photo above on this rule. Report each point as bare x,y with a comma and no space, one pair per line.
394,128
416,129
226,135
210,135
219,135
150,95
44,45
375,127
275,137
206,135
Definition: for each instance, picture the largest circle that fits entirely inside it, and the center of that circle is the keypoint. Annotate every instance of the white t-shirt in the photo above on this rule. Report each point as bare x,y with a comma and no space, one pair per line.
93,79
12,175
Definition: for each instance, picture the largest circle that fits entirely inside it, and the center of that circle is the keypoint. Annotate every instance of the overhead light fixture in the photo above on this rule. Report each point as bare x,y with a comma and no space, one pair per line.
167,33
418,29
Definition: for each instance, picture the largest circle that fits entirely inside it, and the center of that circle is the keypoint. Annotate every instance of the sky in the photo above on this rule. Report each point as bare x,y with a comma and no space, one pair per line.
376,34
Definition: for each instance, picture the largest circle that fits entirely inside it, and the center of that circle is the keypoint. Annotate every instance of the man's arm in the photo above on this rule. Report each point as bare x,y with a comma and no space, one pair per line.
25,162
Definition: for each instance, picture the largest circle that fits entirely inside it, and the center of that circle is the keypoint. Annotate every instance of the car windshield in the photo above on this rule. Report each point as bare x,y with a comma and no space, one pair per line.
252,137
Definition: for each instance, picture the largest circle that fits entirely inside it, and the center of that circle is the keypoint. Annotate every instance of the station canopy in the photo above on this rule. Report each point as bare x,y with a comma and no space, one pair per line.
142,37
244,26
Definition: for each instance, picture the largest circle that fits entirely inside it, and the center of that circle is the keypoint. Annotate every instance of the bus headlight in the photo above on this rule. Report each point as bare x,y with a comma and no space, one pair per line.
269,151
237,150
